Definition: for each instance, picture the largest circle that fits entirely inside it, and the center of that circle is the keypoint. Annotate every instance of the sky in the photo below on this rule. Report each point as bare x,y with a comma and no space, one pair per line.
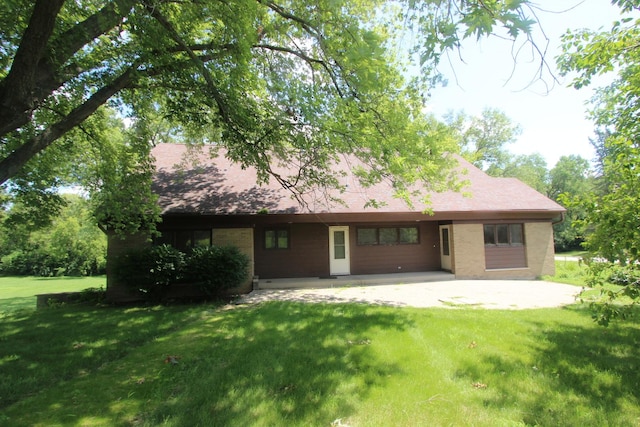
553,120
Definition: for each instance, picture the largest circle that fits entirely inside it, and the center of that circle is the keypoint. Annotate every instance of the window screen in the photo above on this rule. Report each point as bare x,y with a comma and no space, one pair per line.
408,234
276,239
367,236
388,236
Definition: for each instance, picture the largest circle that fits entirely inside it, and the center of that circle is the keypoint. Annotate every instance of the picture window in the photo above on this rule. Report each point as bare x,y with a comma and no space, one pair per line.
503,235
370,236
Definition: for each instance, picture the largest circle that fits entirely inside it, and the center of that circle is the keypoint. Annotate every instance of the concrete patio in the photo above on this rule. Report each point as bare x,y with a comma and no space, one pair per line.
432,289
354,280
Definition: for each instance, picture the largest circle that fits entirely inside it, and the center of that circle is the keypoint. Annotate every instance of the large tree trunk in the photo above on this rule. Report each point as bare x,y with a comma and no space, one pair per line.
16,91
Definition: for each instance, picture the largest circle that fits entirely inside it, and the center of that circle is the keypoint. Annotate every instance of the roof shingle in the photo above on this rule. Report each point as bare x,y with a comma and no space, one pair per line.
192,182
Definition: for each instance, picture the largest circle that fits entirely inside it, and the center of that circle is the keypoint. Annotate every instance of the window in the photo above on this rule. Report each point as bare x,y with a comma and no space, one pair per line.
408,235
201,238
388,236
517,236
503,234
276,239
184,239
339,245
367,236
445,242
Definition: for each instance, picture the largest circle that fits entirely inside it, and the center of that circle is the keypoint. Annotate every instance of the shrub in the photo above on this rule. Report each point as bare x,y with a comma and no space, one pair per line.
151,270
29,262
35,260
624,275
217,268
92,295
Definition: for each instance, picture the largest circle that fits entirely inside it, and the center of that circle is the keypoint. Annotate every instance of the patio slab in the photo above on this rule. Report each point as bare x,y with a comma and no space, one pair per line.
487,294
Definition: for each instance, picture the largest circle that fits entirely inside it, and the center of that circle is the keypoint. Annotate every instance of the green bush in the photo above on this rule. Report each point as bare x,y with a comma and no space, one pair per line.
216,268
32,261
625,275
151,270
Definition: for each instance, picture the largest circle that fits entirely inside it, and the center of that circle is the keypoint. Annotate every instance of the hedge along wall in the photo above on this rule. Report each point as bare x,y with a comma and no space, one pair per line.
242,238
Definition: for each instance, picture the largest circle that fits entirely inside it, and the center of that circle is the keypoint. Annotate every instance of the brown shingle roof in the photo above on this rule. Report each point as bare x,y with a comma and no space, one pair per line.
189,182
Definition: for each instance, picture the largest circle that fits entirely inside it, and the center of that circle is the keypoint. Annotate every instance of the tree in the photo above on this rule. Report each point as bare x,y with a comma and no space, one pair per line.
612,210
71,244
570,178
270,82
528,168
483,138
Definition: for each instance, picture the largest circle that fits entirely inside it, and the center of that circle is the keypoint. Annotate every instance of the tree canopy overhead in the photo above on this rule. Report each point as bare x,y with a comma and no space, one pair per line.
270,81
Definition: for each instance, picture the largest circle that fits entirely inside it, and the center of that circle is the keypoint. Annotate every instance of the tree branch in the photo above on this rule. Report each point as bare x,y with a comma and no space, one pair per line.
35,72
217,96
307,59
12,164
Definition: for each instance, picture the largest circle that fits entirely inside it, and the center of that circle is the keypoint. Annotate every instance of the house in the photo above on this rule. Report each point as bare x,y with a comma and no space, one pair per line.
501,230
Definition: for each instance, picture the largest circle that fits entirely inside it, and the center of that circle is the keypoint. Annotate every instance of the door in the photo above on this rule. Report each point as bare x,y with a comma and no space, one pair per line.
339,263
445,247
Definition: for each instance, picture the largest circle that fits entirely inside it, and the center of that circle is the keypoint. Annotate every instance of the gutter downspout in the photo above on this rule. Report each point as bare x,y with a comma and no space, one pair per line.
561,220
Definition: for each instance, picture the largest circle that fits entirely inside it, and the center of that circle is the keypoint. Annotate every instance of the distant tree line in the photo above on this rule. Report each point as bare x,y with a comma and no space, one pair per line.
69,243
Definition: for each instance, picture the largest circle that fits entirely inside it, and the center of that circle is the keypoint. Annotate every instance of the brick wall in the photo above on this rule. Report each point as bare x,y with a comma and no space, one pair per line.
242,238
468,247
469,261
540,252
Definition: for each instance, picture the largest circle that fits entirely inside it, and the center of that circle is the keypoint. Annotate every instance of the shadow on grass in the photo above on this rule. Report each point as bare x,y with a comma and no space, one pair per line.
580,375
17,303
270,364
300,364
41,348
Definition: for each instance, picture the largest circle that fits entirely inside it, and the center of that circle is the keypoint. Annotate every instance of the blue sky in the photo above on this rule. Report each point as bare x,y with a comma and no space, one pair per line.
553,121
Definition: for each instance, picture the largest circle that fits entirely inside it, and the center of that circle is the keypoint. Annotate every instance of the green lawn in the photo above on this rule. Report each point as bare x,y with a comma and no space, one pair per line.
310,365
572,253
19,292
570,272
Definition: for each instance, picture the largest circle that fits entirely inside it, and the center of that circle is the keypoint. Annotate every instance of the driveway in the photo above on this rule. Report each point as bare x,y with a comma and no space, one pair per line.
487,294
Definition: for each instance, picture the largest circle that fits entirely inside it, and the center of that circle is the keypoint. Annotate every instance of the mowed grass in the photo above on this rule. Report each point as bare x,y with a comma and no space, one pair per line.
570,272
575,273
19,292
301,364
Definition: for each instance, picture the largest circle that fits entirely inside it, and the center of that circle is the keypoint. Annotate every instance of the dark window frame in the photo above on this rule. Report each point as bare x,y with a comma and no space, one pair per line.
395,242
170,237
446,250
498,239
277,231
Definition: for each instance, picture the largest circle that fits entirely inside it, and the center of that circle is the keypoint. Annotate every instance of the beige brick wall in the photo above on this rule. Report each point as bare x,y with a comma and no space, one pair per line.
242,238
540,252
469,259
468,247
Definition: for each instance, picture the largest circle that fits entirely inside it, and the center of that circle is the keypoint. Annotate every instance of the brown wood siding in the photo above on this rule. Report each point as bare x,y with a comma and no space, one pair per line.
380,259
505,257
307,256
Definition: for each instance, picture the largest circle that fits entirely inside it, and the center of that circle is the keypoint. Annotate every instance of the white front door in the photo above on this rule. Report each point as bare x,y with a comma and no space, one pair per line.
339,263
445,247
